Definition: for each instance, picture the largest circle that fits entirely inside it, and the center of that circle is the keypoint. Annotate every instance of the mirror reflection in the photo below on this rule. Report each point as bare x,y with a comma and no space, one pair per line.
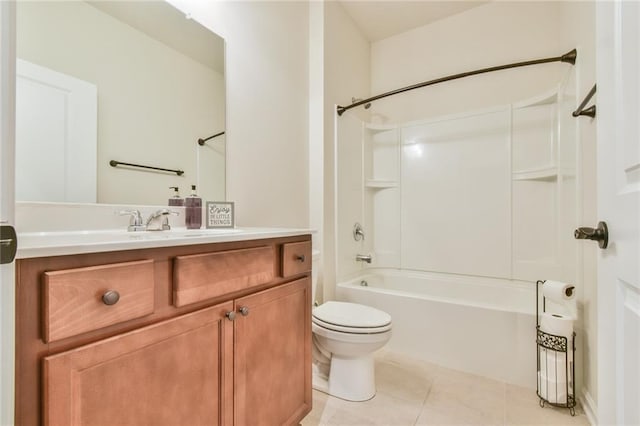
127,81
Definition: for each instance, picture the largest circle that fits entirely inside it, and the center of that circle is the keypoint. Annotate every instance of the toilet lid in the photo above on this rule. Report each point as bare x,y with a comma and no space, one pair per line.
350,330
351,315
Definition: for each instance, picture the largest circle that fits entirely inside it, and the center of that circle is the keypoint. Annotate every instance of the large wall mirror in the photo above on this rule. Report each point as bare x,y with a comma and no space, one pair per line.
127,81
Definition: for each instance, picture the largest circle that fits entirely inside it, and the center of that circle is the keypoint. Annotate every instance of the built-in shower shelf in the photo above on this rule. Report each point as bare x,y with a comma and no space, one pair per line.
543,173
382,134
546,98
380,127
549,173
380,184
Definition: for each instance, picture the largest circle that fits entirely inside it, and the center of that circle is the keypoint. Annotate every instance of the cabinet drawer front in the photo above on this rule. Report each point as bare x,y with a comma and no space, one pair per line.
204,276
73,298
296,258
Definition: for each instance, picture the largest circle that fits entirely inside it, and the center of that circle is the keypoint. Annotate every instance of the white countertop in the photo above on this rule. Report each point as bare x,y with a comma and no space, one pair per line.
59,243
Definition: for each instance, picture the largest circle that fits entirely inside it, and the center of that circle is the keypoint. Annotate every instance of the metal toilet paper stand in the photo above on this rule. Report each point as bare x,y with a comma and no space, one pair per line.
557,349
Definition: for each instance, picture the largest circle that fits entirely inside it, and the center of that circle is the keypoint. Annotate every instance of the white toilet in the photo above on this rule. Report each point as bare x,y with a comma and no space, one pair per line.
345,336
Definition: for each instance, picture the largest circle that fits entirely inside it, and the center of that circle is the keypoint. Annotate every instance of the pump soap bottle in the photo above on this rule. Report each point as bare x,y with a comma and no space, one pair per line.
176,200
193,207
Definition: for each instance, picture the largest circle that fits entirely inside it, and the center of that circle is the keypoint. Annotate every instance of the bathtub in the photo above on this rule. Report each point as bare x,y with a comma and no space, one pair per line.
478,325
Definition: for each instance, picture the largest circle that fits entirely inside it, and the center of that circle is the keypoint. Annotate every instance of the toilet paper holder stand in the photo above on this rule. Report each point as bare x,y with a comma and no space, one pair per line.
559,350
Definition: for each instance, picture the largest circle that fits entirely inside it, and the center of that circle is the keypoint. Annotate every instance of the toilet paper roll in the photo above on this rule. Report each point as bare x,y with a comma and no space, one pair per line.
558,292
553,364
554,391
557,324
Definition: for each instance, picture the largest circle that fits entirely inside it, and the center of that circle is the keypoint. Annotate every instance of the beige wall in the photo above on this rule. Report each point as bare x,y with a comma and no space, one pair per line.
267,106
181,97
346,75
316,137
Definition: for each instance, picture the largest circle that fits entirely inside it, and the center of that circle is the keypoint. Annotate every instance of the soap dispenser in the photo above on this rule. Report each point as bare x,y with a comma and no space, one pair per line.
193,207
176,200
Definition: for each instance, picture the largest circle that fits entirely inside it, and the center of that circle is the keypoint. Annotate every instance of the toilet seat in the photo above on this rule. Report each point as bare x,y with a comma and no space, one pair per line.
351,330
351,318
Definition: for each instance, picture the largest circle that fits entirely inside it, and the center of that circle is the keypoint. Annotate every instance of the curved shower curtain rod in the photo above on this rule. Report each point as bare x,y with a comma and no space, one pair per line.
569,57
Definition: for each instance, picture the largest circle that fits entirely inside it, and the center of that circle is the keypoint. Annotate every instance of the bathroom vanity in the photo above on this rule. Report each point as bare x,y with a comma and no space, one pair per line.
197,329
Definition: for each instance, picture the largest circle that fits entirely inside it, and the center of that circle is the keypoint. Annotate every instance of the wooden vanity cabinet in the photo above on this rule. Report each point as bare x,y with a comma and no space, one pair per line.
240,358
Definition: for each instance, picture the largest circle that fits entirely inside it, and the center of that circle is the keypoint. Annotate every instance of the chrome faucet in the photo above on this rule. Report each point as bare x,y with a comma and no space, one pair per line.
159,220
135,222
363,258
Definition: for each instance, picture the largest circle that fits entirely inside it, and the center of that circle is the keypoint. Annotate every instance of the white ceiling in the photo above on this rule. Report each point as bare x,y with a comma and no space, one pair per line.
381,19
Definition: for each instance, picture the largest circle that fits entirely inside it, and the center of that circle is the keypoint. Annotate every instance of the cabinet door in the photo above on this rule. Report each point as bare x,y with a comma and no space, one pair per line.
273,356
176,372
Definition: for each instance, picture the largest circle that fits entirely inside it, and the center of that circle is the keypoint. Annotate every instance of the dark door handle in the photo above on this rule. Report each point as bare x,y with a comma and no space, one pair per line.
8,244
599,234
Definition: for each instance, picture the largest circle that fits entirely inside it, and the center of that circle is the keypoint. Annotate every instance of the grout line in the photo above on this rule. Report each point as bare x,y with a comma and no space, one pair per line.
424,402
504,408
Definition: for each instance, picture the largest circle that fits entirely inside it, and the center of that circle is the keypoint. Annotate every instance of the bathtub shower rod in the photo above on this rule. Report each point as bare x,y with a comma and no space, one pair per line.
202,141
569,57
589,112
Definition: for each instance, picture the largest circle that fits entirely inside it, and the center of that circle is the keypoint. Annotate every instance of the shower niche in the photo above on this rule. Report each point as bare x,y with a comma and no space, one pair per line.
381,193
489,193
543,187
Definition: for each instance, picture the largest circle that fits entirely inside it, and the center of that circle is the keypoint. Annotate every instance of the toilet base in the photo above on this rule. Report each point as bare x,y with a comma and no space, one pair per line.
352,379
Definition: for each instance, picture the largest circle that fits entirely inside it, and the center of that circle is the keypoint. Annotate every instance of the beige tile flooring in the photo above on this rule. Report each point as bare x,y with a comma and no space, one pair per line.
410,392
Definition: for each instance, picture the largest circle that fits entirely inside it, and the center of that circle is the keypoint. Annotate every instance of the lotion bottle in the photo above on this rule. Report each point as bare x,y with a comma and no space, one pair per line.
176,200
193,207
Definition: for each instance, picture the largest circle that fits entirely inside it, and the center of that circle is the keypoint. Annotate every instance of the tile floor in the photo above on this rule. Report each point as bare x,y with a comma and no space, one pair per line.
418,393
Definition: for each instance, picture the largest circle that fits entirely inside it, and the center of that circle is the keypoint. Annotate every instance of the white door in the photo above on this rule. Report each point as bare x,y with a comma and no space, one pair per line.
618,81
56,136
7,283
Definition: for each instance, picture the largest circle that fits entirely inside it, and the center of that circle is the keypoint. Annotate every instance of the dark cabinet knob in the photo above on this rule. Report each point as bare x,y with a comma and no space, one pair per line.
110,297
300,258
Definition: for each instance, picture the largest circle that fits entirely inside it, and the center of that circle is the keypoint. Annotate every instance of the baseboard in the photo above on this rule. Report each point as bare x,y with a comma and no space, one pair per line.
589,407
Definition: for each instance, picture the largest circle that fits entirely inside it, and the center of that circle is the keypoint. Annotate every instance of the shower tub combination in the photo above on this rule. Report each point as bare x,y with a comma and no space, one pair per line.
478,325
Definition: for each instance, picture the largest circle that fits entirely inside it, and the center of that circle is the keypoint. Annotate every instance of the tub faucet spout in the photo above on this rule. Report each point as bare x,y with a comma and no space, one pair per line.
363,258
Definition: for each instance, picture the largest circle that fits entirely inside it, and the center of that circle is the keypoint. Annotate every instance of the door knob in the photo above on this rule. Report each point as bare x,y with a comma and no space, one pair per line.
599,234
8,243
230,315
244,311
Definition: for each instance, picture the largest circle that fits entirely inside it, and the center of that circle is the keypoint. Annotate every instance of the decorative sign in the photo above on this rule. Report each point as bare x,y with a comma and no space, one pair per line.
220,214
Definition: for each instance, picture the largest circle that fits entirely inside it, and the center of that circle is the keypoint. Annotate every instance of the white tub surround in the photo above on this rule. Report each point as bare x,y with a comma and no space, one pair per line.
462,214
